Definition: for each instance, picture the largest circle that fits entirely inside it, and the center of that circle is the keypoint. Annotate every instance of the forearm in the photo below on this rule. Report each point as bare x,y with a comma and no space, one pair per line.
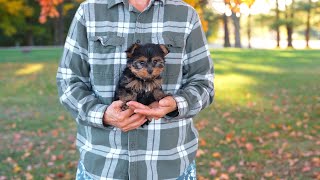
73,76
197,90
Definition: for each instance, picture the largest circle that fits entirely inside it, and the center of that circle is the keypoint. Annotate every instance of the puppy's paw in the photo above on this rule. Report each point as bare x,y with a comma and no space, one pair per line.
124,107
146,123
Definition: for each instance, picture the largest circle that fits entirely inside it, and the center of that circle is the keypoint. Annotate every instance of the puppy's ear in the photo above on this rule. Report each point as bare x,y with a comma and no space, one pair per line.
165,49
131,50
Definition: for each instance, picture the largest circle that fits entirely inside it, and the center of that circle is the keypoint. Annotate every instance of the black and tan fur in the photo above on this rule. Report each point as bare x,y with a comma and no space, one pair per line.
141,79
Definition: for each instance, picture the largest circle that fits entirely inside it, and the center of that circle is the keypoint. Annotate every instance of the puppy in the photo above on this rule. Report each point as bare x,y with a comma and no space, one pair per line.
141,79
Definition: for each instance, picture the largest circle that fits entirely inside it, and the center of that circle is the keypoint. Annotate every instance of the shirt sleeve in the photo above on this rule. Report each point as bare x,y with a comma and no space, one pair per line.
197,90
73,80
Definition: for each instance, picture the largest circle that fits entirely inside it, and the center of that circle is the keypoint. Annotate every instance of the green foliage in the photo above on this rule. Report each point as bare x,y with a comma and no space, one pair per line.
12,14
213,23
19,23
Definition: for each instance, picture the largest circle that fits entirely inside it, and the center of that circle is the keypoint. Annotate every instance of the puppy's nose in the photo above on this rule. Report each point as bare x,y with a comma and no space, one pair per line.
150,70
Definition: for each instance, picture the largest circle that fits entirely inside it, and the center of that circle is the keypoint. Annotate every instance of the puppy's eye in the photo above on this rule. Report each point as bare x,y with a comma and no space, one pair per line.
142,63
156,61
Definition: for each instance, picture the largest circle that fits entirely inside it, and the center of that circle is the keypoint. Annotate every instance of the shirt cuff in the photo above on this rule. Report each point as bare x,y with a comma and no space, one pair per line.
95,116
182,108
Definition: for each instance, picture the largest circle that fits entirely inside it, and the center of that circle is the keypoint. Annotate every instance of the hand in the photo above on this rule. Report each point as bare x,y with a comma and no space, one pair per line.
155,110
124,120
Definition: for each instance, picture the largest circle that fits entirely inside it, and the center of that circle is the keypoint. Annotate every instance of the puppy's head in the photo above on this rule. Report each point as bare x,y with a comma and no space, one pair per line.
146,61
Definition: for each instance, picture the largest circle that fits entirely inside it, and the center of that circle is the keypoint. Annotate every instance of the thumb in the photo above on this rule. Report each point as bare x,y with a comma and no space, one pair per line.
117,103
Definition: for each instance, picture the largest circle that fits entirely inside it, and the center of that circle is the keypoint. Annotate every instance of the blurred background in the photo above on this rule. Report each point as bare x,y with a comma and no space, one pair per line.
228,23
263,124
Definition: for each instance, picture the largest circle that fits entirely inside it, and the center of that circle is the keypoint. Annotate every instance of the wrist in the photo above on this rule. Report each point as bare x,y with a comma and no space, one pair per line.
104,119
174,111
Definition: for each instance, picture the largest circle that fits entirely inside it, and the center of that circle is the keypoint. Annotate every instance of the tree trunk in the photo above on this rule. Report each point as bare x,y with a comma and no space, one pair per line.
249,30
30,41
308,24
290,20
278,25
59,27
289,33
236,23
226,32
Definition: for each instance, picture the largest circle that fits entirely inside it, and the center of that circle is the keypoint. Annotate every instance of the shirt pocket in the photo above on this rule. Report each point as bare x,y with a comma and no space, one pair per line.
105,57
172,75
105,46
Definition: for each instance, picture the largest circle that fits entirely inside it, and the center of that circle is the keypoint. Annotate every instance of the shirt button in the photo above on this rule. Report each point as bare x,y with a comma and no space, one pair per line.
132,145
138,41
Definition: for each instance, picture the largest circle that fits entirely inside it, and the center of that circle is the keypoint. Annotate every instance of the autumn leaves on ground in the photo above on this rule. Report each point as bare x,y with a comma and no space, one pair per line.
264,123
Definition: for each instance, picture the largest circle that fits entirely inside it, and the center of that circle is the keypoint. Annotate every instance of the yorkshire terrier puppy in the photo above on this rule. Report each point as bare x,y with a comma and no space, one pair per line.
141,79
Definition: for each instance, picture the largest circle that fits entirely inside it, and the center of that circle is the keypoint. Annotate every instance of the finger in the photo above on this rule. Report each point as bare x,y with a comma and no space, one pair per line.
125,114
136,105
135,125
132,119
117,103
136,117
147,112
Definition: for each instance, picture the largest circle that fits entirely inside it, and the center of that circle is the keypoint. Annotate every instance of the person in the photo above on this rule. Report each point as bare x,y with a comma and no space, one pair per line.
111,142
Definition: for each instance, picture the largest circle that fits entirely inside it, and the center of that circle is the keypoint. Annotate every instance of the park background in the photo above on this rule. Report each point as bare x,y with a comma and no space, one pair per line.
264,123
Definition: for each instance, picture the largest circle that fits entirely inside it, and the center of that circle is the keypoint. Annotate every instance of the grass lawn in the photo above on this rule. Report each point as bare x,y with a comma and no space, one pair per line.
264,124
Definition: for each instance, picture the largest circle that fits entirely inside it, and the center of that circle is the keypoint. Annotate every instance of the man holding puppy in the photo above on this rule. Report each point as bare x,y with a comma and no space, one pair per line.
111,142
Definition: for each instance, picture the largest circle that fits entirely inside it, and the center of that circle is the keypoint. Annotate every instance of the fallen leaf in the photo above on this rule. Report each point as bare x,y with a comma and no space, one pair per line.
202,142
231,120
216,155
16,137
276,109
316,161
60,157
232,169
226,114
25,155
272,126
216,129
201,177
306,169
16,168
213,172
61,117
292,162
48,178
243,139
53,158
29,176
202,124
316,175
60,175
224,176
216,164
55,133
229,137
249,147
13,125
200,152
239,176
268,174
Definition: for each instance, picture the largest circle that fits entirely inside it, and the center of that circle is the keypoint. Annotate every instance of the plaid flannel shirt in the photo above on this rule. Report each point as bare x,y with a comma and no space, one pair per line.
92,62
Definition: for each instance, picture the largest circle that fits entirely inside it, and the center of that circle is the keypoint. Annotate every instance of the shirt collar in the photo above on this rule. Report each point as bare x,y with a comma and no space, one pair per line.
112,3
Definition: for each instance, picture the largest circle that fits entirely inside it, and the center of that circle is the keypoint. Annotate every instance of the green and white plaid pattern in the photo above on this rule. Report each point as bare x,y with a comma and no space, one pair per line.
92,62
